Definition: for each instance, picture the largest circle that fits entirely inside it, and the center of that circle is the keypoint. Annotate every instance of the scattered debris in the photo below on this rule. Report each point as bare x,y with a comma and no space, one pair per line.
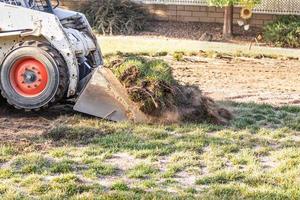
206,37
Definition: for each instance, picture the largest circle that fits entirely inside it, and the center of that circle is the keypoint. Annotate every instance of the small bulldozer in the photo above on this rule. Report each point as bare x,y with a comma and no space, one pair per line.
48,55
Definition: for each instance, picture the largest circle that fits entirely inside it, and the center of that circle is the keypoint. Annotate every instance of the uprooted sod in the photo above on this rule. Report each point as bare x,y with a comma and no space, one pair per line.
150,83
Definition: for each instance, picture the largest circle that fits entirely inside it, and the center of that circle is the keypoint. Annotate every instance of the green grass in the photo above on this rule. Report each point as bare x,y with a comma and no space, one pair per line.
142,171
255,157
30,163
222,177
150,46
178,56
120,186
6,152
98,169
64,166
157,70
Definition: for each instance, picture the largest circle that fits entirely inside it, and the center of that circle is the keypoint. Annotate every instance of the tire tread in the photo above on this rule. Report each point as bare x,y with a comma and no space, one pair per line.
61,65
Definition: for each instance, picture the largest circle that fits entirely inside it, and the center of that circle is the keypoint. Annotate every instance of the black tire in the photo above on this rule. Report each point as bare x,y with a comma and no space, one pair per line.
57,82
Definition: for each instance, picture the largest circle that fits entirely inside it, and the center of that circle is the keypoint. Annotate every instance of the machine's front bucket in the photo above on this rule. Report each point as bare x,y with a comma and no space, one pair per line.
105,97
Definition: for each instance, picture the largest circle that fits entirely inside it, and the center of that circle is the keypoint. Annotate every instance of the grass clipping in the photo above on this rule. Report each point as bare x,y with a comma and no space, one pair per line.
150,83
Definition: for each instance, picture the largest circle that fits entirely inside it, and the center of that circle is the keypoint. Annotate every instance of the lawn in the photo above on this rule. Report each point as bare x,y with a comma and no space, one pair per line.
60,154
138,44
256,157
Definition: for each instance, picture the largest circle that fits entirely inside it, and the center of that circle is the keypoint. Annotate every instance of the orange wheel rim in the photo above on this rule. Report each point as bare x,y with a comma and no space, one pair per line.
29,77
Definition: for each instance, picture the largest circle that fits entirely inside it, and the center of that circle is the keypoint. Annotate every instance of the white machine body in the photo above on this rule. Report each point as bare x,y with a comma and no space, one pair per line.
19,22
95,89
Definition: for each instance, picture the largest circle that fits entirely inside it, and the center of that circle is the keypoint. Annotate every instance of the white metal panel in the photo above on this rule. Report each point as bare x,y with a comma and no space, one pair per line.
19,18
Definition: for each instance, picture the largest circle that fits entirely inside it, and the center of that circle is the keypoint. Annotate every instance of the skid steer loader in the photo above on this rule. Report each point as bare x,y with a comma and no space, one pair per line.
48,54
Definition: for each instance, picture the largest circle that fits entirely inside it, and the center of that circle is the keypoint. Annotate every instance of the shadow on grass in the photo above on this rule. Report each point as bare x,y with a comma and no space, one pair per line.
65,126
248,116
255,116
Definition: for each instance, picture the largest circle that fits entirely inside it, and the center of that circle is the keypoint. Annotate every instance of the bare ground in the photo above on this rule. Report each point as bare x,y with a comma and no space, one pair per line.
270,81
194,31
21,129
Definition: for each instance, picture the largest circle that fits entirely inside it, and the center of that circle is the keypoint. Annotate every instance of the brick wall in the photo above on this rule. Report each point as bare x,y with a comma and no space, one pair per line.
201,14
187,13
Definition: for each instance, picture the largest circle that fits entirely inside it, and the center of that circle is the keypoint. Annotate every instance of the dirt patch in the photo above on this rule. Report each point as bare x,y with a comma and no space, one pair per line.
265,80
123,161
150,83
268,163
23,129
195,30
186,179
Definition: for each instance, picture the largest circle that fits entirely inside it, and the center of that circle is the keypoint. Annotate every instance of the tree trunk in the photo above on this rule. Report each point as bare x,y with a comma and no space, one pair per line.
228,22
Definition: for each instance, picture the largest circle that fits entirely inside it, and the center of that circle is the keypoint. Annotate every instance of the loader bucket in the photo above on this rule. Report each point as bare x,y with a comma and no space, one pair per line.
105,97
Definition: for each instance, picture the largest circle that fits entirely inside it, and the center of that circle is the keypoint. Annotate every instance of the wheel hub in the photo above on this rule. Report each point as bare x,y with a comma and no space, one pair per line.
29,77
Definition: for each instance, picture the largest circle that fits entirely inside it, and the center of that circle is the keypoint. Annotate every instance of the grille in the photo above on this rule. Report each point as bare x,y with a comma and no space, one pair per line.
33,4
284,7
39,5
12,2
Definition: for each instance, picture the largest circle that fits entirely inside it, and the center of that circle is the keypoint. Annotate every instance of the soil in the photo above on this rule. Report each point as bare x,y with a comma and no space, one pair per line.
24,128
236,79
194,31
270,81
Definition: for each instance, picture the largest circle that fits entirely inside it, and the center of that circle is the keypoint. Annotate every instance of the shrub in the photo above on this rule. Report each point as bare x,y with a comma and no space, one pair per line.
115,16
178,56
284,32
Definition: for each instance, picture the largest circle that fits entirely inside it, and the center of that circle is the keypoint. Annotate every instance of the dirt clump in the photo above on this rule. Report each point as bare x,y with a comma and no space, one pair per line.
151,85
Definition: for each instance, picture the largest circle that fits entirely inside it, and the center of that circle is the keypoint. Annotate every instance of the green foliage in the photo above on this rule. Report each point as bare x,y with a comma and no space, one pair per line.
284,32
150,70
246,3
222,3
250,3
178,56
115,16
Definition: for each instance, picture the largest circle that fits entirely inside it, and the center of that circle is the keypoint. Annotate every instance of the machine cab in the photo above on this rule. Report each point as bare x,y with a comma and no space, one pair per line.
41,5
